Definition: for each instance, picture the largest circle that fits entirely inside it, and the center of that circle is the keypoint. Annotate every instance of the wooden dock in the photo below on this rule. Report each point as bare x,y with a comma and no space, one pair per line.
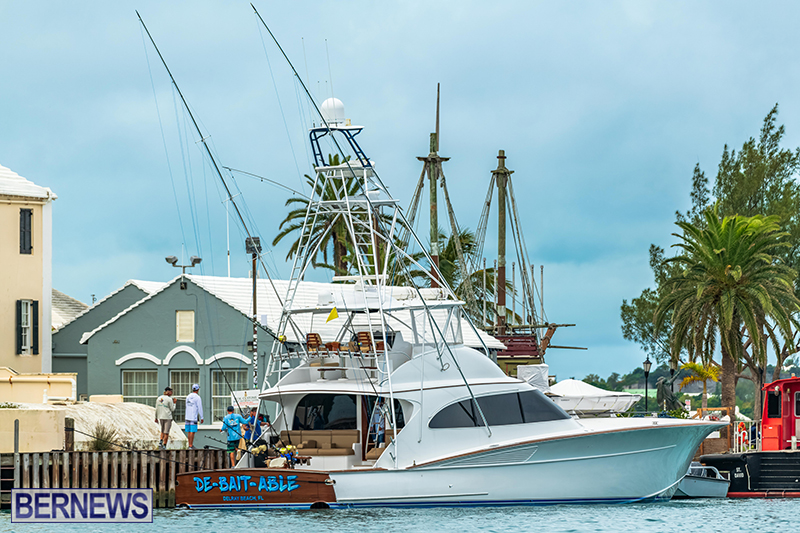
92,470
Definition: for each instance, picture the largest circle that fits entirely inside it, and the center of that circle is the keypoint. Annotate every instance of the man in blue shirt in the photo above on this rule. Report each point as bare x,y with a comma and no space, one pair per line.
254,425
231,424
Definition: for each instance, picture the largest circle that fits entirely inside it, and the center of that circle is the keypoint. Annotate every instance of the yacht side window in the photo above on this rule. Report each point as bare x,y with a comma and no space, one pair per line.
499,410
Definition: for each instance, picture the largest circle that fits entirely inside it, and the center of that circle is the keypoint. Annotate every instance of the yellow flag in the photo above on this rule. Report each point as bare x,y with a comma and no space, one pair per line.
334,314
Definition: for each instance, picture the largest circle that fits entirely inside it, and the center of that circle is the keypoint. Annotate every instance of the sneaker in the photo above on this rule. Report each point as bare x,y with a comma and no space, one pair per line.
161,446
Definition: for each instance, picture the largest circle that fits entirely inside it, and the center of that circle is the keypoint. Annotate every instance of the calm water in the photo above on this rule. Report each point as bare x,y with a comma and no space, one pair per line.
673,517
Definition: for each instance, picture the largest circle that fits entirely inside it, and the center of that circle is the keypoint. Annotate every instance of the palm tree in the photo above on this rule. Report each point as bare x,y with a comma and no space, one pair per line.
730,281
330,230
701,373
454,275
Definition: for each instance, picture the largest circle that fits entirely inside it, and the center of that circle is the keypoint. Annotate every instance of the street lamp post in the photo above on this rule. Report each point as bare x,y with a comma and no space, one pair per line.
194,261
646,366
673,366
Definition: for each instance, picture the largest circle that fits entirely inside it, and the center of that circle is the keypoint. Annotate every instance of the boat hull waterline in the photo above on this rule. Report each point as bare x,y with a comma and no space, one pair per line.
595,468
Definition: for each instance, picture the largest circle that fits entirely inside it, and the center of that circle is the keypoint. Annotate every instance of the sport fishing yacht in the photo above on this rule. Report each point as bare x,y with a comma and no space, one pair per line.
376,400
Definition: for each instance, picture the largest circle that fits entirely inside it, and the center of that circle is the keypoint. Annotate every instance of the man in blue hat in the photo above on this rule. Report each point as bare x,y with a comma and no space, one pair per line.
194,412
231,423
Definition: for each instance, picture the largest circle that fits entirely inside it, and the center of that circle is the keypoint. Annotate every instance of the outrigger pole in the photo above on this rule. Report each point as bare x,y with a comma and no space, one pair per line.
231,198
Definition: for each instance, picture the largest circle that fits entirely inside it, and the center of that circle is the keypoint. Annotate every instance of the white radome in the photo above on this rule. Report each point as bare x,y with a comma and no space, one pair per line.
332,111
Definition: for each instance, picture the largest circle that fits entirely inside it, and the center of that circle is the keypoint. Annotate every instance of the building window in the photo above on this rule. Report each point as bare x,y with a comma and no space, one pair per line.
184,326
222,383
181,382
140,386
27,327
25,227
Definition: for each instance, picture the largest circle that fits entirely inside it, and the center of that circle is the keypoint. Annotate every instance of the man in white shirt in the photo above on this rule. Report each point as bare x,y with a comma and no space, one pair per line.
194,412
165,406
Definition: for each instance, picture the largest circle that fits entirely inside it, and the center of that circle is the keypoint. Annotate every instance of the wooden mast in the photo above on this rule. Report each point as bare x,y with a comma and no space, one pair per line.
432,168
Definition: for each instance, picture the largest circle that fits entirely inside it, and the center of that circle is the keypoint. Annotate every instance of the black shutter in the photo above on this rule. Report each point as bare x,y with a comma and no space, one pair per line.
19,327
35,329
25,231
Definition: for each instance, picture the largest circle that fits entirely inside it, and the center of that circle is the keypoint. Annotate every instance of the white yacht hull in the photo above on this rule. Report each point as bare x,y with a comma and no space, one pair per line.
611,467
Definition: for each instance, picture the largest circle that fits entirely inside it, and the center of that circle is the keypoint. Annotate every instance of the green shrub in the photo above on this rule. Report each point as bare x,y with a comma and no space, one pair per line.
103,438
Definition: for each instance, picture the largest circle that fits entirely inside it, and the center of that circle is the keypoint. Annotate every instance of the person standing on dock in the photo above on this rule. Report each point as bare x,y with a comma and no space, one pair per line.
165,406
194,413
231,423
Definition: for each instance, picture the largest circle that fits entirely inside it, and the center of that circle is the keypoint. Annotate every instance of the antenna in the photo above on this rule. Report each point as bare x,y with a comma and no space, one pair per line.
330,76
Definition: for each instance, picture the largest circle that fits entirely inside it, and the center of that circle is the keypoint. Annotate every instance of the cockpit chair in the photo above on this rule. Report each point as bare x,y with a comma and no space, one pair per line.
314,343
365,341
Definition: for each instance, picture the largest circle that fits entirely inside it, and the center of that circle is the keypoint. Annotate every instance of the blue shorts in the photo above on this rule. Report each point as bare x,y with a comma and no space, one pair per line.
190,428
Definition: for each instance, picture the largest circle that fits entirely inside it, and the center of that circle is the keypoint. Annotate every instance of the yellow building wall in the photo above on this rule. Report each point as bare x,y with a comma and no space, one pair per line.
21,278
32,388
39,431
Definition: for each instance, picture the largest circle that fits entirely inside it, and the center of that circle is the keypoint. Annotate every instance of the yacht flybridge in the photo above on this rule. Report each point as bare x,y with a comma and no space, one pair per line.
378,401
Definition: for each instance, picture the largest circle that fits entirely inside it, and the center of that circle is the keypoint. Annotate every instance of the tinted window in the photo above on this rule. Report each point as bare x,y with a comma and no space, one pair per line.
326,411
773,405
536,407
499,410
458,415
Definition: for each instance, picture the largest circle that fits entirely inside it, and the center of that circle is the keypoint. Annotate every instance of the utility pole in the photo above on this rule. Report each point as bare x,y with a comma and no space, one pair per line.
253,247
501,175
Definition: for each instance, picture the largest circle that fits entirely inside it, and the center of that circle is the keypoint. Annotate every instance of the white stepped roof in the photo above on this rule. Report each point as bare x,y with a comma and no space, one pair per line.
238,292
149,287
65,309
12,184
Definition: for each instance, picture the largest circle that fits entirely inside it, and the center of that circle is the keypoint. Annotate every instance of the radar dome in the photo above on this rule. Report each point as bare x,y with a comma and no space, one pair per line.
332,111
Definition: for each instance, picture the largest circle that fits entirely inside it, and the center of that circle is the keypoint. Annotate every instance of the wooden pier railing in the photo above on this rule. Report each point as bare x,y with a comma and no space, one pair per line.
91,470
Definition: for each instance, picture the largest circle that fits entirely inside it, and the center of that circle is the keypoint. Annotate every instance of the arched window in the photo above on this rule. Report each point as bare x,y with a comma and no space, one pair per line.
500,410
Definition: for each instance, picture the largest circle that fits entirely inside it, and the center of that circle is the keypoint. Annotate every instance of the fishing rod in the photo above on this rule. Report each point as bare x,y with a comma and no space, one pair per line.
210,155
231,197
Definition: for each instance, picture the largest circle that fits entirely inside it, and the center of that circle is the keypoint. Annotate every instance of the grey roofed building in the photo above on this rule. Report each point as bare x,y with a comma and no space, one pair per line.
176,336
69,355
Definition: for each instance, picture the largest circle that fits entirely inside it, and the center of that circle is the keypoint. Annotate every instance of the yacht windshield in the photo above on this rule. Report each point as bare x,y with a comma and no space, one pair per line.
500,410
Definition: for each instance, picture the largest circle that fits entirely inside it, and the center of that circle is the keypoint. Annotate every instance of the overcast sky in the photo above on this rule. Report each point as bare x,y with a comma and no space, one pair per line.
603,109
